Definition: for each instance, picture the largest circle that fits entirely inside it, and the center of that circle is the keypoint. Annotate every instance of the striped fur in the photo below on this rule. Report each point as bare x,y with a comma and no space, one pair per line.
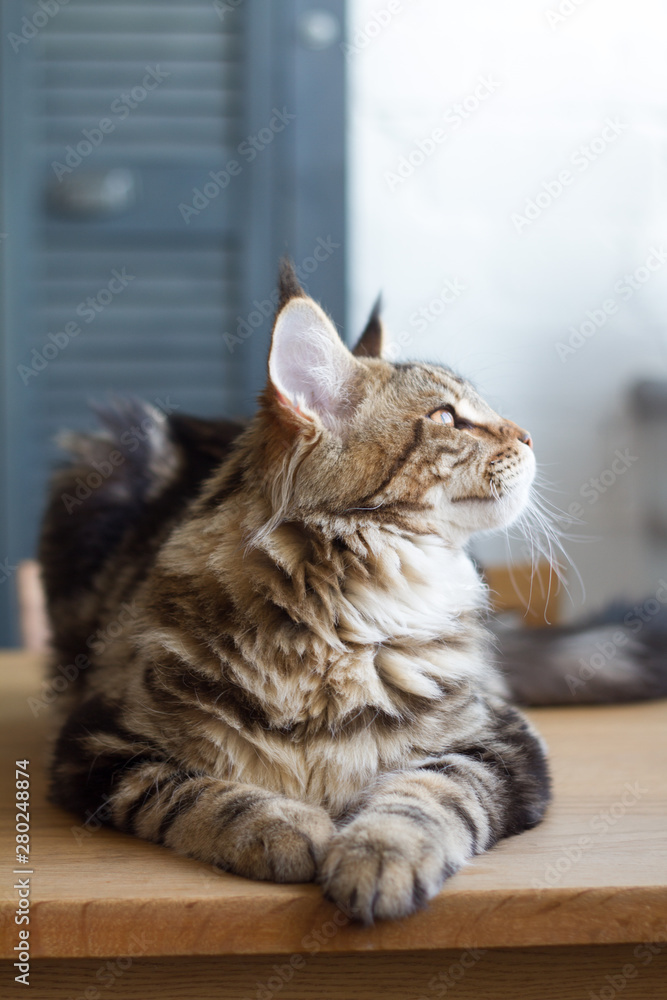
304,687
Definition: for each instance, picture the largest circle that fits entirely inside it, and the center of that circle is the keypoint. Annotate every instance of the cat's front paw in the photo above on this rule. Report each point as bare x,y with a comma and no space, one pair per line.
282,840
377,870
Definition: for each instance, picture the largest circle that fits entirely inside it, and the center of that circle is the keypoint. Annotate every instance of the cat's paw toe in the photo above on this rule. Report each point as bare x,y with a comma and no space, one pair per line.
373,873
285,843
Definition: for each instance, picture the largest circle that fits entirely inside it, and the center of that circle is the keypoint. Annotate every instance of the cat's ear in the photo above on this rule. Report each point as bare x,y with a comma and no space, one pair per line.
288,284
371,341
310,369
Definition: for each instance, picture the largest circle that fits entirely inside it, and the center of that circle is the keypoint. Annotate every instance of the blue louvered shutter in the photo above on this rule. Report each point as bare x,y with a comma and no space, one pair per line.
137,103
142,252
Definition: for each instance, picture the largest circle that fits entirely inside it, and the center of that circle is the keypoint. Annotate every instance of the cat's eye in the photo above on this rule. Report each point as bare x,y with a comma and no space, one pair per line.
443,416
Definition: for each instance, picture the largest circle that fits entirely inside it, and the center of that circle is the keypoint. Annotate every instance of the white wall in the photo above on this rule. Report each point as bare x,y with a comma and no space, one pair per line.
553,82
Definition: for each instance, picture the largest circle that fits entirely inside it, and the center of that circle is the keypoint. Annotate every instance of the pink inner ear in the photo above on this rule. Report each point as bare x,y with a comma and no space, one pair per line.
309,366
284,401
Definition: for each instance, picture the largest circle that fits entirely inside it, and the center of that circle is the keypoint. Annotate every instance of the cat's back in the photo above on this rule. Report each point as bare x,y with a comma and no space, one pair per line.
111,507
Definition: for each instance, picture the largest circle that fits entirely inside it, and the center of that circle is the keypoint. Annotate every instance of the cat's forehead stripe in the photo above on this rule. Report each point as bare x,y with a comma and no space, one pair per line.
456,390
442,376
463,395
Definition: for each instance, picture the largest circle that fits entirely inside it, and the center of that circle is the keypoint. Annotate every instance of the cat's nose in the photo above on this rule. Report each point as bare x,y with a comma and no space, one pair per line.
525,437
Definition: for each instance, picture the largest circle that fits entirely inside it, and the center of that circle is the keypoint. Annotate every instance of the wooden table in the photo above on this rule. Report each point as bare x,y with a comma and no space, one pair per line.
558,912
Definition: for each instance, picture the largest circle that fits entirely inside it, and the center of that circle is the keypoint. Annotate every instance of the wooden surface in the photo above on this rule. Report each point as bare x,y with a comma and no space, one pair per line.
629,972
594,873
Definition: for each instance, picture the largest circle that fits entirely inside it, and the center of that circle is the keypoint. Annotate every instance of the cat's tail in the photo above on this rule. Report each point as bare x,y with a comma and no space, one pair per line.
619,656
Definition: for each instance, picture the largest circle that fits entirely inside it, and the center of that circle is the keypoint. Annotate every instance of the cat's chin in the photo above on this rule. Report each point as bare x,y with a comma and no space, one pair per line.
508,508
470,515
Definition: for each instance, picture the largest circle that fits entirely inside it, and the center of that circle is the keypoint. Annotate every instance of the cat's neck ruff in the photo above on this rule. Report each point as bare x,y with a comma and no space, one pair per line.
420,591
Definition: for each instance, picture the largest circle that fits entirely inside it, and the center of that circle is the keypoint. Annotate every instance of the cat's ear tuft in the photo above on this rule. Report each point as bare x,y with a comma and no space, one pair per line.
371,341
310,368
288,283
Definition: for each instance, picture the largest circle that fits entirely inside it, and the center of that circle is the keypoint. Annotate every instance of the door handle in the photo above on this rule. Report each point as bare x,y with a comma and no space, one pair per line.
93,193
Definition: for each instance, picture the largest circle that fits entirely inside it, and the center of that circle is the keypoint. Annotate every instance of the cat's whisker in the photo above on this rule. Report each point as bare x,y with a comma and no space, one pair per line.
538,527
549,539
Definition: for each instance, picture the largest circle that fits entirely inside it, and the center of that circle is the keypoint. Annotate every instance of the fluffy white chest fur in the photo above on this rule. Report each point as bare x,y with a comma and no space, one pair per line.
424,589
409,615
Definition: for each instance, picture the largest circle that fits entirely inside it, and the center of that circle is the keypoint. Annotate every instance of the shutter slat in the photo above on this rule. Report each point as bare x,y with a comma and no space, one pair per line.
162,336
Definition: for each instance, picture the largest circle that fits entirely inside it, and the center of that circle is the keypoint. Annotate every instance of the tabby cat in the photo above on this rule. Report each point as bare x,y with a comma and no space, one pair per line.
288,673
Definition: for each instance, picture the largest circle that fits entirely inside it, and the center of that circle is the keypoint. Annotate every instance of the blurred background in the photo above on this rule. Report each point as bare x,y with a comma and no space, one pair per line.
499,171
